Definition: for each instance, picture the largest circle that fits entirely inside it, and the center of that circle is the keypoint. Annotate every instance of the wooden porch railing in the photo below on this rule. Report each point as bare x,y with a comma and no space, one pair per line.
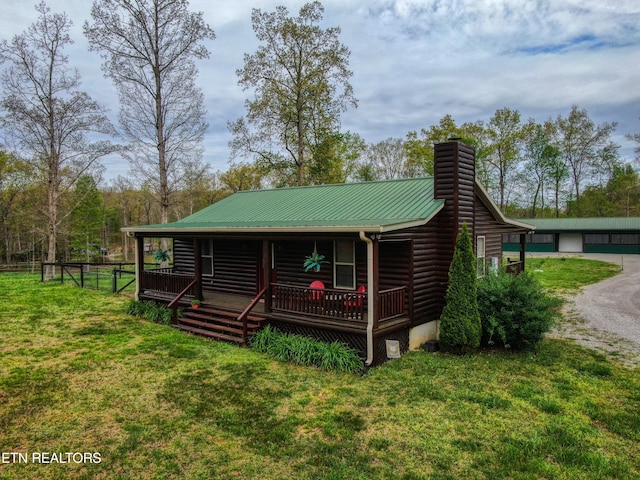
294,299
245,314
337,304
324,302
393,303
514,268
164,281
173,305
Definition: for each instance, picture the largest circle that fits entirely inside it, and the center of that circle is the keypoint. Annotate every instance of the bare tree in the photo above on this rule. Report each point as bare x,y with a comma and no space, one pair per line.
149,49
386,160
48,120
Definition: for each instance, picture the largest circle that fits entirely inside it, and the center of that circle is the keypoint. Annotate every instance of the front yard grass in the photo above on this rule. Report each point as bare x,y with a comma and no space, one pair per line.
79,375
568,274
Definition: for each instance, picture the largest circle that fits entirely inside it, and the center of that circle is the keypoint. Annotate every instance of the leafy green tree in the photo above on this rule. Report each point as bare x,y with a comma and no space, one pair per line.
624,191
419,148
48,120
335,158
460,326
240,177
583,145
505,135
300,78
14,178
87,219
618,198
541,159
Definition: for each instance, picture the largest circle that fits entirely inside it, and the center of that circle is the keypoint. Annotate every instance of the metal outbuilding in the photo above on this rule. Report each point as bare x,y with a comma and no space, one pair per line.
580,235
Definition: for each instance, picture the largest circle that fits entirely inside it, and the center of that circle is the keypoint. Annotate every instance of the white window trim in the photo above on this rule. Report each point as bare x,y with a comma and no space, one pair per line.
481,256
336,263
207,258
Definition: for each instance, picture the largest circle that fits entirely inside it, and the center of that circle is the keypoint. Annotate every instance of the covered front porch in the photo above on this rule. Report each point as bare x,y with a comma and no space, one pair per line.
318,307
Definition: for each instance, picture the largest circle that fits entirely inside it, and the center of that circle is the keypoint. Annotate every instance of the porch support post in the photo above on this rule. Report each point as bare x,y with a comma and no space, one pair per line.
523,237
139,262
376,282
197,269
266,273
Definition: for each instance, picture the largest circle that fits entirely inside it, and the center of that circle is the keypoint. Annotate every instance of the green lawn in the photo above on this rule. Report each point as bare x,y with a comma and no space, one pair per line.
568,274
77,375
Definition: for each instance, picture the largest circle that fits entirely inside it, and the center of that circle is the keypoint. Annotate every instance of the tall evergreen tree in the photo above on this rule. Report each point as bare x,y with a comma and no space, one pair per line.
87,219
460,326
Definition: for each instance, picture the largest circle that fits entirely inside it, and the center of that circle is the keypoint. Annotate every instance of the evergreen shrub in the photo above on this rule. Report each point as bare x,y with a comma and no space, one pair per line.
516,312
460,326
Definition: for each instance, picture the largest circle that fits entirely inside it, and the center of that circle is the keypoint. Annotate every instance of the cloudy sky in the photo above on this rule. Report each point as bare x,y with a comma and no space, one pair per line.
415,61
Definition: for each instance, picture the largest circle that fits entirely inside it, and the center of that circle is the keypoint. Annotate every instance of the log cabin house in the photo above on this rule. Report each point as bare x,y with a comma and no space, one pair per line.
380,287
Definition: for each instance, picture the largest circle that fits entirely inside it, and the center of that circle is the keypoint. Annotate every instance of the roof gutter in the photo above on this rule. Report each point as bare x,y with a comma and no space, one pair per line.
370,297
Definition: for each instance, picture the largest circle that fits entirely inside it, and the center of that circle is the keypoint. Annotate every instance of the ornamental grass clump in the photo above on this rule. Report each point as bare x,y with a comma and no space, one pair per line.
151,311
516,311
306,351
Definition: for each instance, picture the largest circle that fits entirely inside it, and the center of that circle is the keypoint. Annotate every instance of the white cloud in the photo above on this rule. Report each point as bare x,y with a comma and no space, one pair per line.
416,61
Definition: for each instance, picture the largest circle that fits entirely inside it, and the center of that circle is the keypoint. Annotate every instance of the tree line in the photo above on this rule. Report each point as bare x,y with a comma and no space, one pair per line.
54,204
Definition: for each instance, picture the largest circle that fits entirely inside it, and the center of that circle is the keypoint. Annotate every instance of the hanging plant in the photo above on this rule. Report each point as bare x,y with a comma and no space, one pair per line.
314,261
162,256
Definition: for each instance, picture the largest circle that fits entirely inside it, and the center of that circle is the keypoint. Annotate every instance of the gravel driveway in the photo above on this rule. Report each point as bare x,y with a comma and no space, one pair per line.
606,316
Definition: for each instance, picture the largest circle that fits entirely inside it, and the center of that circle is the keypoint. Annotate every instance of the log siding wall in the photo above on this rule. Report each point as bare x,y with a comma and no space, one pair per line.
236,264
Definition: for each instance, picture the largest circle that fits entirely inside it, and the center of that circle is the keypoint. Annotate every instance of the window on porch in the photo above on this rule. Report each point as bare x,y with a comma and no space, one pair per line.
206,258
344,264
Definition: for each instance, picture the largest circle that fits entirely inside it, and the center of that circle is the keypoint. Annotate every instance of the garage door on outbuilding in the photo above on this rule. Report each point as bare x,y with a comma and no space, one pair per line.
581,235
570,242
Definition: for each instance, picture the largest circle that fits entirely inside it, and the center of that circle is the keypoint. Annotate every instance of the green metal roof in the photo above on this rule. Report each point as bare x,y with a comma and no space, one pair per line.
598,224
350,207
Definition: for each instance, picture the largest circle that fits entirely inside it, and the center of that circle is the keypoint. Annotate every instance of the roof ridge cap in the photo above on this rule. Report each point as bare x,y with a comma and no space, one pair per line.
343,184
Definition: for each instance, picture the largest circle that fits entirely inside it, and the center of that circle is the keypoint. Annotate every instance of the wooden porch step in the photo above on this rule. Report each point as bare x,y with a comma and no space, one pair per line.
221,324
232,315
210,334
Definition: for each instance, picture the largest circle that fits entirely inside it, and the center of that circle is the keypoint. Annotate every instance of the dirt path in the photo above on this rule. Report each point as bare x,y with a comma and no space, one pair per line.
606,316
